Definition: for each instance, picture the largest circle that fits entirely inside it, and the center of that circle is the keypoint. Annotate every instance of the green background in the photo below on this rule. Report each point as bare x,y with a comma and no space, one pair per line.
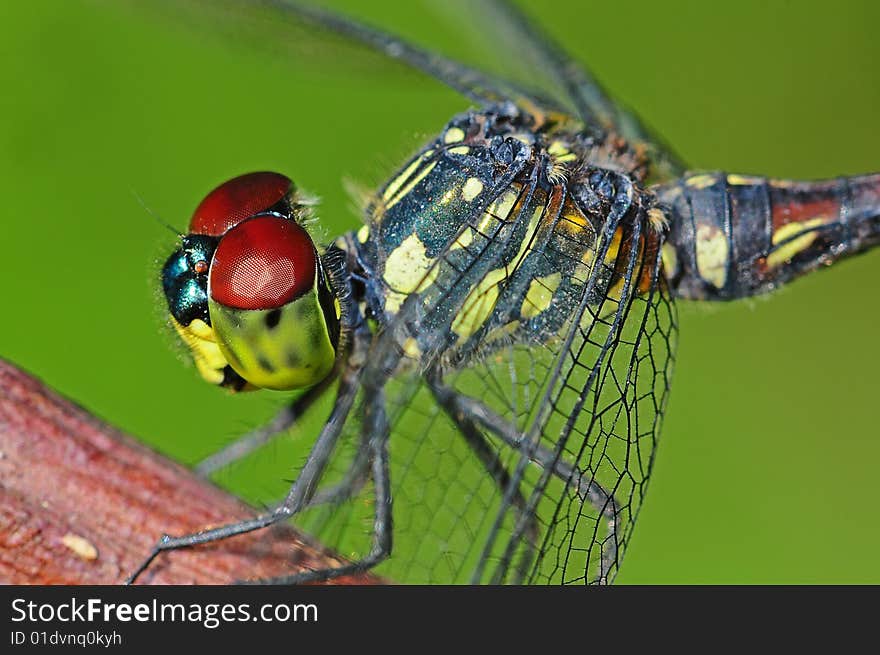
767,467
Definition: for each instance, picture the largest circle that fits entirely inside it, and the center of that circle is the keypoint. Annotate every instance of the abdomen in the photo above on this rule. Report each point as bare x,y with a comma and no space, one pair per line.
734,236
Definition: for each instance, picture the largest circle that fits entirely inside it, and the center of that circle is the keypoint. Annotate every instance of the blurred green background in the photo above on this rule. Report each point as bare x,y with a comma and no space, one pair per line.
767,471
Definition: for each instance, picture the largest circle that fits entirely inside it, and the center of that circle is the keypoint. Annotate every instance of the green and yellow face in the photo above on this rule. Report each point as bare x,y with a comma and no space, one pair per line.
247,291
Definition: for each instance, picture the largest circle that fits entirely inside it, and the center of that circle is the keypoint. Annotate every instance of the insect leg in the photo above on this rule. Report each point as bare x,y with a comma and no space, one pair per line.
494,467
588,489
351,483
300,493
375,429
248,443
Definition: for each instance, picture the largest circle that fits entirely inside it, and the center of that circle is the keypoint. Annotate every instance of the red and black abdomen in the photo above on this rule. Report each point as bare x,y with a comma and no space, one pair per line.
733,236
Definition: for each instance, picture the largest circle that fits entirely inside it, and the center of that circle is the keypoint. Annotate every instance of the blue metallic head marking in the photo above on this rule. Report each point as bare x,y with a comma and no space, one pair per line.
184,283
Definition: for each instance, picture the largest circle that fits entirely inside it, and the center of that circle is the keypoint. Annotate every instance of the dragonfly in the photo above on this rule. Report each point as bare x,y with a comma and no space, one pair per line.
500,334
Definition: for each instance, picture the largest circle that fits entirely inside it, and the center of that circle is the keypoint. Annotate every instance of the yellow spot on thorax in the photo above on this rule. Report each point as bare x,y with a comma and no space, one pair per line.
472,188
557,148
411,348
409,187
394,190
407,266
479,304
453,135
393,301
464,239
363,234
501,332
574,221
560,156
540,295
201,330
499,210
670,260
614,247
523,137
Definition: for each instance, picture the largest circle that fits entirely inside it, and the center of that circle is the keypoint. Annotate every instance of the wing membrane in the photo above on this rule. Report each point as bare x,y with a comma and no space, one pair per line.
570,426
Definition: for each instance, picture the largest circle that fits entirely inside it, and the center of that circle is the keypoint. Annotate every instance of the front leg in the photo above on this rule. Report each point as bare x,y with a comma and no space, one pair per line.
300,493
490,460
583,482
251,441
375,433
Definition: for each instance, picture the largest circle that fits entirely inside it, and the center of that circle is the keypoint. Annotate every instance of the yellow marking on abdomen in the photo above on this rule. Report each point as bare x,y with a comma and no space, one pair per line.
744,180
797,243
712,254
700,181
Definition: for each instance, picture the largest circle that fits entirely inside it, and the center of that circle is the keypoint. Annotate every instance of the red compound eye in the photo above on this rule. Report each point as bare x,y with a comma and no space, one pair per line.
263,263
237,200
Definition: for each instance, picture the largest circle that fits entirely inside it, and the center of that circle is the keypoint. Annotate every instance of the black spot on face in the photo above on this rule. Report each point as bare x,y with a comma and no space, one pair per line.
234,360
293,360
265,365
273,318
232,380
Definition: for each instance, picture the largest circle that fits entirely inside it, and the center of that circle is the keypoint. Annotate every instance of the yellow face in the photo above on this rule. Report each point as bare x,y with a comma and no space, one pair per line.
284,348
247,290
200,339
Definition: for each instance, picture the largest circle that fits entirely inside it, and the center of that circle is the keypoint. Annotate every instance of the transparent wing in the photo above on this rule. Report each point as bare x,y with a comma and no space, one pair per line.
526,66
515,47
311,32
528,460
508,43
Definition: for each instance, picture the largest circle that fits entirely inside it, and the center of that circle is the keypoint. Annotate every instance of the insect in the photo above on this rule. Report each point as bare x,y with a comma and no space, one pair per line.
506,314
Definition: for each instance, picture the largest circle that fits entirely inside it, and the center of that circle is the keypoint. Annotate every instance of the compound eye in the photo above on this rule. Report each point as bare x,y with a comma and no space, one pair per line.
237,200
262,263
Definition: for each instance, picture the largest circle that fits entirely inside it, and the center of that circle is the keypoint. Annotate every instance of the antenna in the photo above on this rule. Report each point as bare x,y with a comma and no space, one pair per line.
153,214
